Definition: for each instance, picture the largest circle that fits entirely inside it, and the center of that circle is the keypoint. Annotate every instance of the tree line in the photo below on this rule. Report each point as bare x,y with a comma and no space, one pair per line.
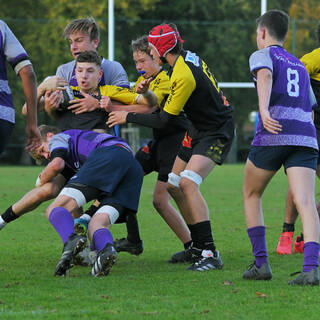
221,32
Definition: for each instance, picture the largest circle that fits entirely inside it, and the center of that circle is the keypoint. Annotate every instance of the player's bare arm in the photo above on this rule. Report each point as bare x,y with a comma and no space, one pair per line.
264,86
146,96
29,81
51,84
50,171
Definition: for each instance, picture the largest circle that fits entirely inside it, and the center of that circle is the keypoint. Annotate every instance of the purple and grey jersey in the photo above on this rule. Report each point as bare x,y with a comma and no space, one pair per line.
12,51
79,144
113,74
291,99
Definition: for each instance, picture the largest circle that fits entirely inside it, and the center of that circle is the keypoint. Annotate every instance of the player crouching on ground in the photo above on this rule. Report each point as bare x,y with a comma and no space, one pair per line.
107,171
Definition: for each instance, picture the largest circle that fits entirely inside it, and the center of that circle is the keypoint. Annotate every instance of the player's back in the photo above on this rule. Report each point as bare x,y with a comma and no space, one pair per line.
291,99
205,104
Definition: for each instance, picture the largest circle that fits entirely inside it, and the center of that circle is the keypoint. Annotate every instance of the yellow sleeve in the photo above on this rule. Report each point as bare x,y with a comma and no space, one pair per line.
120,94
141,78
311,61
160,86
182,84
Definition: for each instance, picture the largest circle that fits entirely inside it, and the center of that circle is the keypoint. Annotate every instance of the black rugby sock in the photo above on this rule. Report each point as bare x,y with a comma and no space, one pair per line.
133,228
288,227
9,215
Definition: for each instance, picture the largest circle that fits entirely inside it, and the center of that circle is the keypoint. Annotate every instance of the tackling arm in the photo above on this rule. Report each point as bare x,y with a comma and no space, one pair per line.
50,171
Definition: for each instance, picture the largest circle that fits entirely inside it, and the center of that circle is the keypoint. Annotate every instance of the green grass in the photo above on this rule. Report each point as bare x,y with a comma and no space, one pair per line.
147,287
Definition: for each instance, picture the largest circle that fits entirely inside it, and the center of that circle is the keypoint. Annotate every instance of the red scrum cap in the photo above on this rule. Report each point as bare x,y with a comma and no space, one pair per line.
163,38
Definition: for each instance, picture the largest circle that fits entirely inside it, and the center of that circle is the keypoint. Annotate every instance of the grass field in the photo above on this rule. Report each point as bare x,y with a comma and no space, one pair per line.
147,287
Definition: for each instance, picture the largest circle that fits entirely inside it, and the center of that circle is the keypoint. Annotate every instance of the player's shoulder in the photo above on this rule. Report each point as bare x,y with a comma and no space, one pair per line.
66,67
265,52
314,55
107,64
163,75
3,25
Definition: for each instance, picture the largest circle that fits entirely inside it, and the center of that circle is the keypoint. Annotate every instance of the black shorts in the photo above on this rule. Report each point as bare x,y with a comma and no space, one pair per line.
212,144
68,173
159,155
273,157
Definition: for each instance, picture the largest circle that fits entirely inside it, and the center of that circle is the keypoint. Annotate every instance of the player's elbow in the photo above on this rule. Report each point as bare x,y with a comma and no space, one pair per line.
27,73
57,165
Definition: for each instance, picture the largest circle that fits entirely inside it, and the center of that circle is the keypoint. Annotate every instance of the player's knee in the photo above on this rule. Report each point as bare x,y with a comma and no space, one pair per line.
173,180
158,204
303,202
249,192
47,192
106,216
190,181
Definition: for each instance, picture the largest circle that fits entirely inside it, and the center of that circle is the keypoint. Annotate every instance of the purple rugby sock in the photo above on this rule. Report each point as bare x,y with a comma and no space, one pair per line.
257,237
62,220
311,256
100,239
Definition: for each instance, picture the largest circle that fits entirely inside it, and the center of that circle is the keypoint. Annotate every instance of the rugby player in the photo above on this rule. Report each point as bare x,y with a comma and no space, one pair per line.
311,61
106,170
286,136
207,142
13,52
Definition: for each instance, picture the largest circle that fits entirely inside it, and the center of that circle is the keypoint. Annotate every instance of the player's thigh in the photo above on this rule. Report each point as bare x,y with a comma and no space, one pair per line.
301,167
56,185
201,165
178,166
302,183
255,179
64,201
160,194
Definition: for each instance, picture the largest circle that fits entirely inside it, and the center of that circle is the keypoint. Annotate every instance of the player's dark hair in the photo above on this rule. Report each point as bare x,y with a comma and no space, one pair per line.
318,32
45,129
141,44
178,47
276,22
89,56
85,25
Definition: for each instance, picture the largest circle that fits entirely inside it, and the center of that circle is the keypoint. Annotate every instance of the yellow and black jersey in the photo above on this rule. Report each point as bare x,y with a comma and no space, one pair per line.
66,119
160,86
194,89
97,118
311,61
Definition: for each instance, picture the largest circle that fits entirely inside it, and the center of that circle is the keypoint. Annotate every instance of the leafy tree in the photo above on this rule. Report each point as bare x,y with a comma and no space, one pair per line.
220,32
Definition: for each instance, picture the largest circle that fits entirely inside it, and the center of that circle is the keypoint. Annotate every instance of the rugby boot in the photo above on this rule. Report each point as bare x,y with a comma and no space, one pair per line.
310,278
206,260
255,273
124,244
104,262
71,248
298,244
181,256
285,243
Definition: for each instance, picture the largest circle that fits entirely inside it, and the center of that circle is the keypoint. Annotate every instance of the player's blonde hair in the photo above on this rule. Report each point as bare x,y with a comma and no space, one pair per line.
85,25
